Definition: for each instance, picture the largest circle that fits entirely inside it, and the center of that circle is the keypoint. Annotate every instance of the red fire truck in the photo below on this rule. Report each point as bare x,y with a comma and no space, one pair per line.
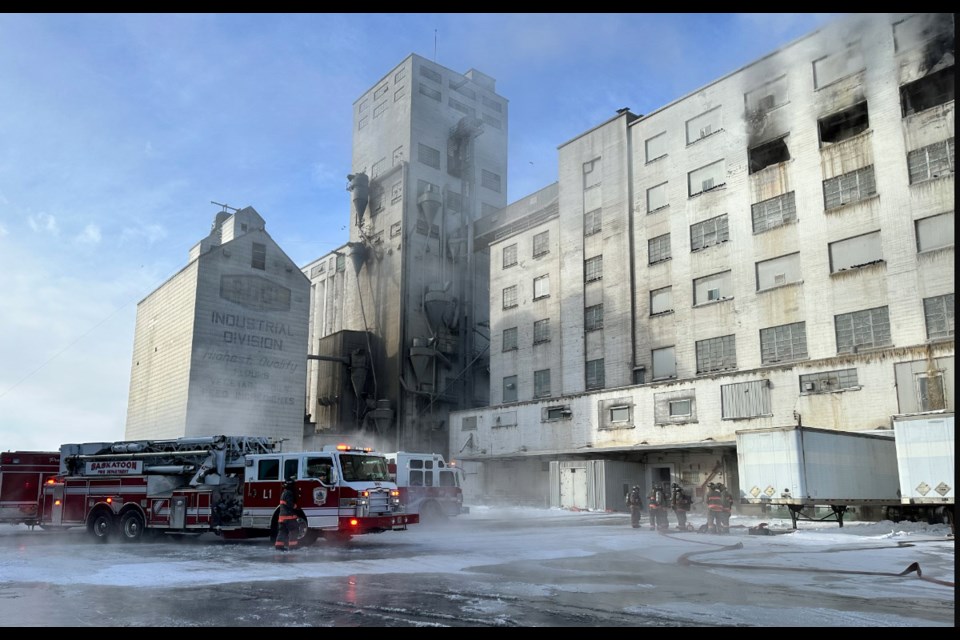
428,485
229,485
22,474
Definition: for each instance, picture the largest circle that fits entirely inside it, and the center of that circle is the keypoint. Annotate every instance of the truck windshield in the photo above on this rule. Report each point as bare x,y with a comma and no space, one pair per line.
358,468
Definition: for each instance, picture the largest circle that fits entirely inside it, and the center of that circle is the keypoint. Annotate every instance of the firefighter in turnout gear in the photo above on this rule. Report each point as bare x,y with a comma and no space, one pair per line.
287,526
680,502
714,500
726,501
635,502
657,501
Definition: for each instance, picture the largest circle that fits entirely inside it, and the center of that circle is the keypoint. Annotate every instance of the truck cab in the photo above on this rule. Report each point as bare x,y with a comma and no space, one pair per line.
428,484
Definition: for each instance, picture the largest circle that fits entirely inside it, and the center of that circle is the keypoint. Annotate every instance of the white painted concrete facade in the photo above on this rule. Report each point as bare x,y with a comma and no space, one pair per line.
777,248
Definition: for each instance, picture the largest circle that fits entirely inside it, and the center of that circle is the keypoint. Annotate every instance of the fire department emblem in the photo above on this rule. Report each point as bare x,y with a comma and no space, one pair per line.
319,495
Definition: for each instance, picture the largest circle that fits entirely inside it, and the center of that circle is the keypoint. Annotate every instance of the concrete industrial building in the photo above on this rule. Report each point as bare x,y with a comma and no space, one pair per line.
398,316
775,248
219,348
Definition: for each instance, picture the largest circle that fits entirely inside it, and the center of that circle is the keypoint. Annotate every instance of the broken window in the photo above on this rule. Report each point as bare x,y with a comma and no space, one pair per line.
767,154
844,124
929,91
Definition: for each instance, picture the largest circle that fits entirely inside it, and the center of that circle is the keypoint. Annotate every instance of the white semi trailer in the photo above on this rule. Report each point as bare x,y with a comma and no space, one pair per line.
925,460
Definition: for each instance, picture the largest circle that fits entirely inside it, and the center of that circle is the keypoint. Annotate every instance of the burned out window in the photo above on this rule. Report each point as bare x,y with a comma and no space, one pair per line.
774,212
927,92
845,124
932,161
768,154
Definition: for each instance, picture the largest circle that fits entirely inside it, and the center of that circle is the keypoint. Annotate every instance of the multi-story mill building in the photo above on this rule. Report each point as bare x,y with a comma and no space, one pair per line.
775,248
398,316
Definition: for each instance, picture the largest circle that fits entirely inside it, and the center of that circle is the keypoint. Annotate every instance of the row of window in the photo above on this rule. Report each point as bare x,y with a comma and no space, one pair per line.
926,163
933,232
866,329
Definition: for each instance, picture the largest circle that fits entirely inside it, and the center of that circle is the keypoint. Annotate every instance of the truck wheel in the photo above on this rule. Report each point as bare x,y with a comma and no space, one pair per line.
305,536
102,526
131,526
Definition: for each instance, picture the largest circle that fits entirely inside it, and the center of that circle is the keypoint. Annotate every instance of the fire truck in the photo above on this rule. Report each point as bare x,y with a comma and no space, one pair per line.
428,485
228,485
22,474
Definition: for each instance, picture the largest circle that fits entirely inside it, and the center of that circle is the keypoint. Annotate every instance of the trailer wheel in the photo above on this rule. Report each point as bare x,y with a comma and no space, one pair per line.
131,526
102,525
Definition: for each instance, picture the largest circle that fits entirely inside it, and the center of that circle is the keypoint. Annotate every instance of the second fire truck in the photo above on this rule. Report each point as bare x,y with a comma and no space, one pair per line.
228,485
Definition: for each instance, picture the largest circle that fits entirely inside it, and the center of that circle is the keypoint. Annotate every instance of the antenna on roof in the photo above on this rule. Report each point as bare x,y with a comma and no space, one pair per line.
225,207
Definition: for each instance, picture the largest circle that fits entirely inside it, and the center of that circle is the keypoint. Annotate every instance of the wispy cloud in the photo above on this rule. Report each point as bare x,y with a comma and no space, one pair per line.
89,235
43,223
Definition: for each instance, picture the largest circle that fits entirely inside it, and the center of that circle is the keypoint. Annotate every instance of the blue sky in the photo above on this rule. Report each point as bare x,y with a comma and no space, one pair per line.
117,131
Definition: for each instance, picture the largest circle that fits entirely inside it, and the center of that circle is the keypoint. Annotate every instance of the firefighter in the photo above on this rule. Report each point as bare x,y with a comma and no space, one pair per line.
635,502
680,502
714,500
287,527
726,502
657,502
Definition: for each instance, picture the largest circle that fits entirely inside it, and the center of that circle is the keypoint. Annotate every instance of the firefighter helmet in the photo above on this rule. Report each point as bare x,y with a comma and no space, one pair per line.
290,482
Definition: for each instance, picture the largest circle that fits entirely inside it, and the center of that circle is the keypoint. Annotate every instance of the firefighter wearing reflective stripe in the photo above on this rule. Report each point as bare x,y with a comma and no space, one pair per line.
714,500
680,502
726,501
287,527
657,502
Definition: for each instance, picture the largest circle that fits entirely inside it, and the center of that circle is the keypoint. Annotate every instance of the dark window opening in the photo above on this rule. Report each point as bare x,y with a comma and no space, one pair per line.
843,125
768,153
259,258
929,91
